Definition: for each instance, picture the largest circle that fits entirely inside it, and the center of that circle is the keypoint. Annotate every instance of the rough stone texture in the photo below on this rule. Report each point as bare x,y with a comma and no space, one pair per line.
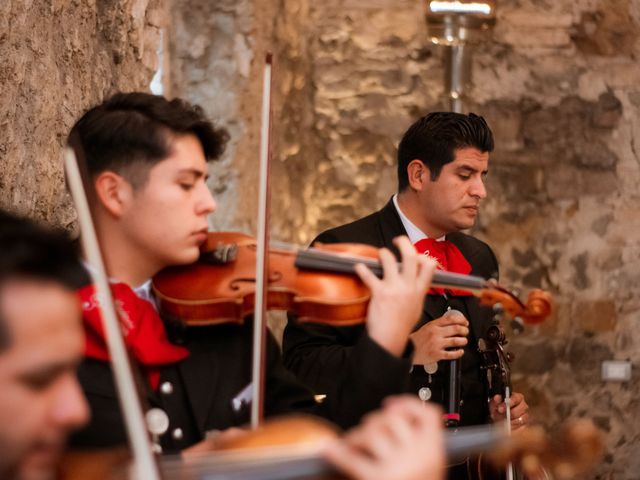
213,58
560,87
560,84
58,58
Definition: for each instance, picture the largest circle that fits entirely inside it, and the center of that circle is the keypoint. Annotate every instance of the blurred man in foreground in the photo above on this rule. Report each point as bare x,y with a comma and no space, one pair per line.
41,344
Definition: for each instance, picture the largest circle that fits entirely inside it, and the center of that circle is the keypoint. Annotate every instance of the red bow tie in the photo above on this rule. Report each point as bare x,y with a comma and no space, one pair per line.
449,258
143,331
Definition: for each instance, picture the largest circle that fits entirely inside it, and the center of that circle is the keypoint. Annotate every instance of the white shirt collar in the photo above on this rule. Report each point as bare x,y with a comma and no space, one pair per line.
414,233
144,291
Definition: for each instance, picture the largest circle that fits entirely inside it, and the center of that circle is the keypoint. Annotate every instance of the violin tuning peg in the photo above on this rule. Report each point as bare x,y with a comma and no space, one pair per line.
517,325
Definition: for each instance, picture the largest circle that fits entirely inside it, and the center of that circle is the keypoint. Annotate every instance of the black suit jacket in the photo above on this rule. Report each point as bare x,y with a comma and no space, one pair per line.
208,389
317,353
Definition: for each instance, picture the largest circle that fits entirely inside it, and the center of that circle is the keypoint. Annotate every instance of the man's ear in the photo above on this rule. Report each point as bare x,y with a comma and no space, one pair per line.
113,192
418,174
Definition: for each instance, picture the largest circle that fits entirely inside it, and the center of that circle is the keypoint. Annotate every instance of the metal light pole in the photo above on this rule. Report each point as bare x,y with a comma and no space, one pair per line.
459,25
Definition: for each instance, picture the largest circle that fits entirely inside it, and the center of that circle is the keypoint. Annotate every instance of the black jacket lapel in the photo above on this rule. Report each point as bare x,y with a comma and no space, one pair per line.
390,226
200,374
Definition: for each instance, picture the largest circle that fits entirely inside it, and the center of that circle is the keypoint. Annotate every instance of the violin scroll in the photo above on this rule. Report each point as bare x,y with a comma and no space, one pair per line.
538,307
576,448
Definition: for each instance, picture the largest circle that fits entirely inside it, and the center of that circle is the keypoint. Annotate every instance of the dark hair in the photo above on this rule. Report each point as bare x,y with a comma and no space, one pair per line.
130,130
30,251
434,139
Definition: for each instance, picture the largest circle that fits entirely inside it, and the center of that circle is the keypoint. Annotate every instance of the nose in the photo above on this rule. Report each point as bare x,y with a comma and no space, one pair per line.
478,188
206,203
69,407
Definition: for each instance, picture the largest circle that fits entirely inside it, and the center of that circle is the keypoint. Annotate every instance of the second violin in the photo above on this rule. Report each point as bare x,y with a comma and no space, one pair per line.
318,284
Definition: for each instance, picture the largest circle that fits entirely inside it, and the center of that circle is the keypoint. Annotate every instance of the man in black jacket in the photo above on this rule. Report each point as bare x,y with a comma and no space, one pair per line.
41,402
442,162
40,348
147,162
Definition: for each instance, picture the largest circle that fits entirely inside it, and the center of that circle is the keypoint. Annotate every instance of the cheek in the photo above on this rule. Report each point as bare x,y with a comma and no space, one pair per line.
21,416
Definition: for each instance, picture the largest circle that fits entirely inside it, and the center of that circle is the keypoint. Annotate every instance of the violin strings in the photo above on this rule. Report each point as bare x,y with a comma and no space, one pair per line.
323,260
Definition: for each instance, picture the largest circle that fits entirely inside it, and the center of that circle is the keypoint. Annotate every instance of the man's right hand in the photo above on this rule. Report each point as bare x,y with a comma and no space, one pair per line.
397,298
432,340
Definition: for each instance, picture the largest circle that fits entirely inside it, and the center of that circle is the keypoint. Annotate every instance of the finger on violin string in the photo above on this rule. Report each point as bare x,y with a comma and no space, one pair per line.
389,264
375,437
409,257
426,268
367,276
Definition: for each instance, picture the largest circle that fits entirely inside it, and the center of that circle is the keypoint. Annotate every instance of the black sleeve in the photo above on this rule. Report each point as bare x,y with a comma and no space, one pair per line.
345,364
317,353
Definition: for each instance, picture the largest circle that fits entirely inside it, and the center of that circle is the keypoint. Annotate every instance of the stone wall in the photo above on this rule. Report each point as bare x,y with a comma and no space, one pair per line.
58,58
560,85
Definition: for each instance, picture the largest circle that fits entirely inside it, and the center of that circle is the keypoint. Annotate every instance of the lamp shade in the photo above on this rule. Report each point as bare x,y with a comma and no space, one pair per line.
459,21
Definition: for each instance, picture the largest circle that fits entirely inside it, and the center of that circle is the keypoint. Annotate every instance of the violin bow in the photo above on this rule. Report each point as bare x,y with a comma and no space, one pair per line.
262,260
144,461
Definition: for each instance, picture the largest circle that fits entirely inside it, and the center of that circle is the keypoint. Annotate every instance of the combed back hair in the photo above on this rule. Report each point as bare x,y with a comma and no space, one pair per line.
31,252
131,132
434,139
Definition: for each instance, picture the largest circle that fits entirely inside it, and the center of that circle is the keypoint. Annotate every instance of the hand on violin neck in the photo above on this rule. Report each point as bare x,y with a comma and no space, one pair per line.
519,410
402,441
441,339
397,298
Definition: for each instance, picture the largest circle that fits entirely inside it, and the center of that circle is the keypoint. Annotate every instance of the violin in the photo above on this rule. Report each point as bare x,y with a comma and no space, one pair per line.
291,447
318,284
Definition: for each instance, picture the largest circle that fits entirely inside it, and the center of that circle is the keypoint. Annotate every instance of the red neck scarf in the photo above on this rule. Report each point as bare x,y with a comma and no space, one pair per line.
143,330
449,259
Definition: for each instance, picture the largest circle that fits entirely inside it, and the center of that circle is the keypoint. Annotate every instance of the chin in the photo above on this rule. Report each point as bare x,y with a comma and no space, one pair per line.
37,471
187,257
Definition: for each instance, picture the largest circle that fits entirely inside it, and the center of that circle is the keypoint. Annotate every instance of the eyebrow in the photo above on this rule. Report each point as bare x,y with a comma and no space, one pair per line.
195,172
49,370
469,168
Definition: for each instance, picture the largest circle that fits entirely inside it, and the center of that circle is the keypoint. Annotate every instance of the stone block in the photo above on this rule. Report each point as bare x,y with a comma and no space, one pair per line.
580,264
585,355
534,358
607,112
565,182
607,31
596,316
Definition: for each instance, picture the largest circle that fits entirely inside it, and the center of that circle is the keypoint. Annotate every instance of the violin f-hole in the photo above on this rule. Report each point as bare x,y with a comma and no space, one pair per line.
273,277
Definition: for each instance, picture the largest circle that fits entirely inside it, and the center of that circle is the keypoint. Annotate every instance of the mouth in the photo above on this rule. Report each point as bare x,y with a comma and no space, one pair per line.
46,455
201,235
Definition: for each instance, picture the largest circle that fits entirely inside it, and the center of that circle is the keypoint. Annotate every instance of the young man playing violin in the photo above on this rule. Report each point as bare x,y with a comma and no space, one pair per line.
147,162
41,402
442,162
41,346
